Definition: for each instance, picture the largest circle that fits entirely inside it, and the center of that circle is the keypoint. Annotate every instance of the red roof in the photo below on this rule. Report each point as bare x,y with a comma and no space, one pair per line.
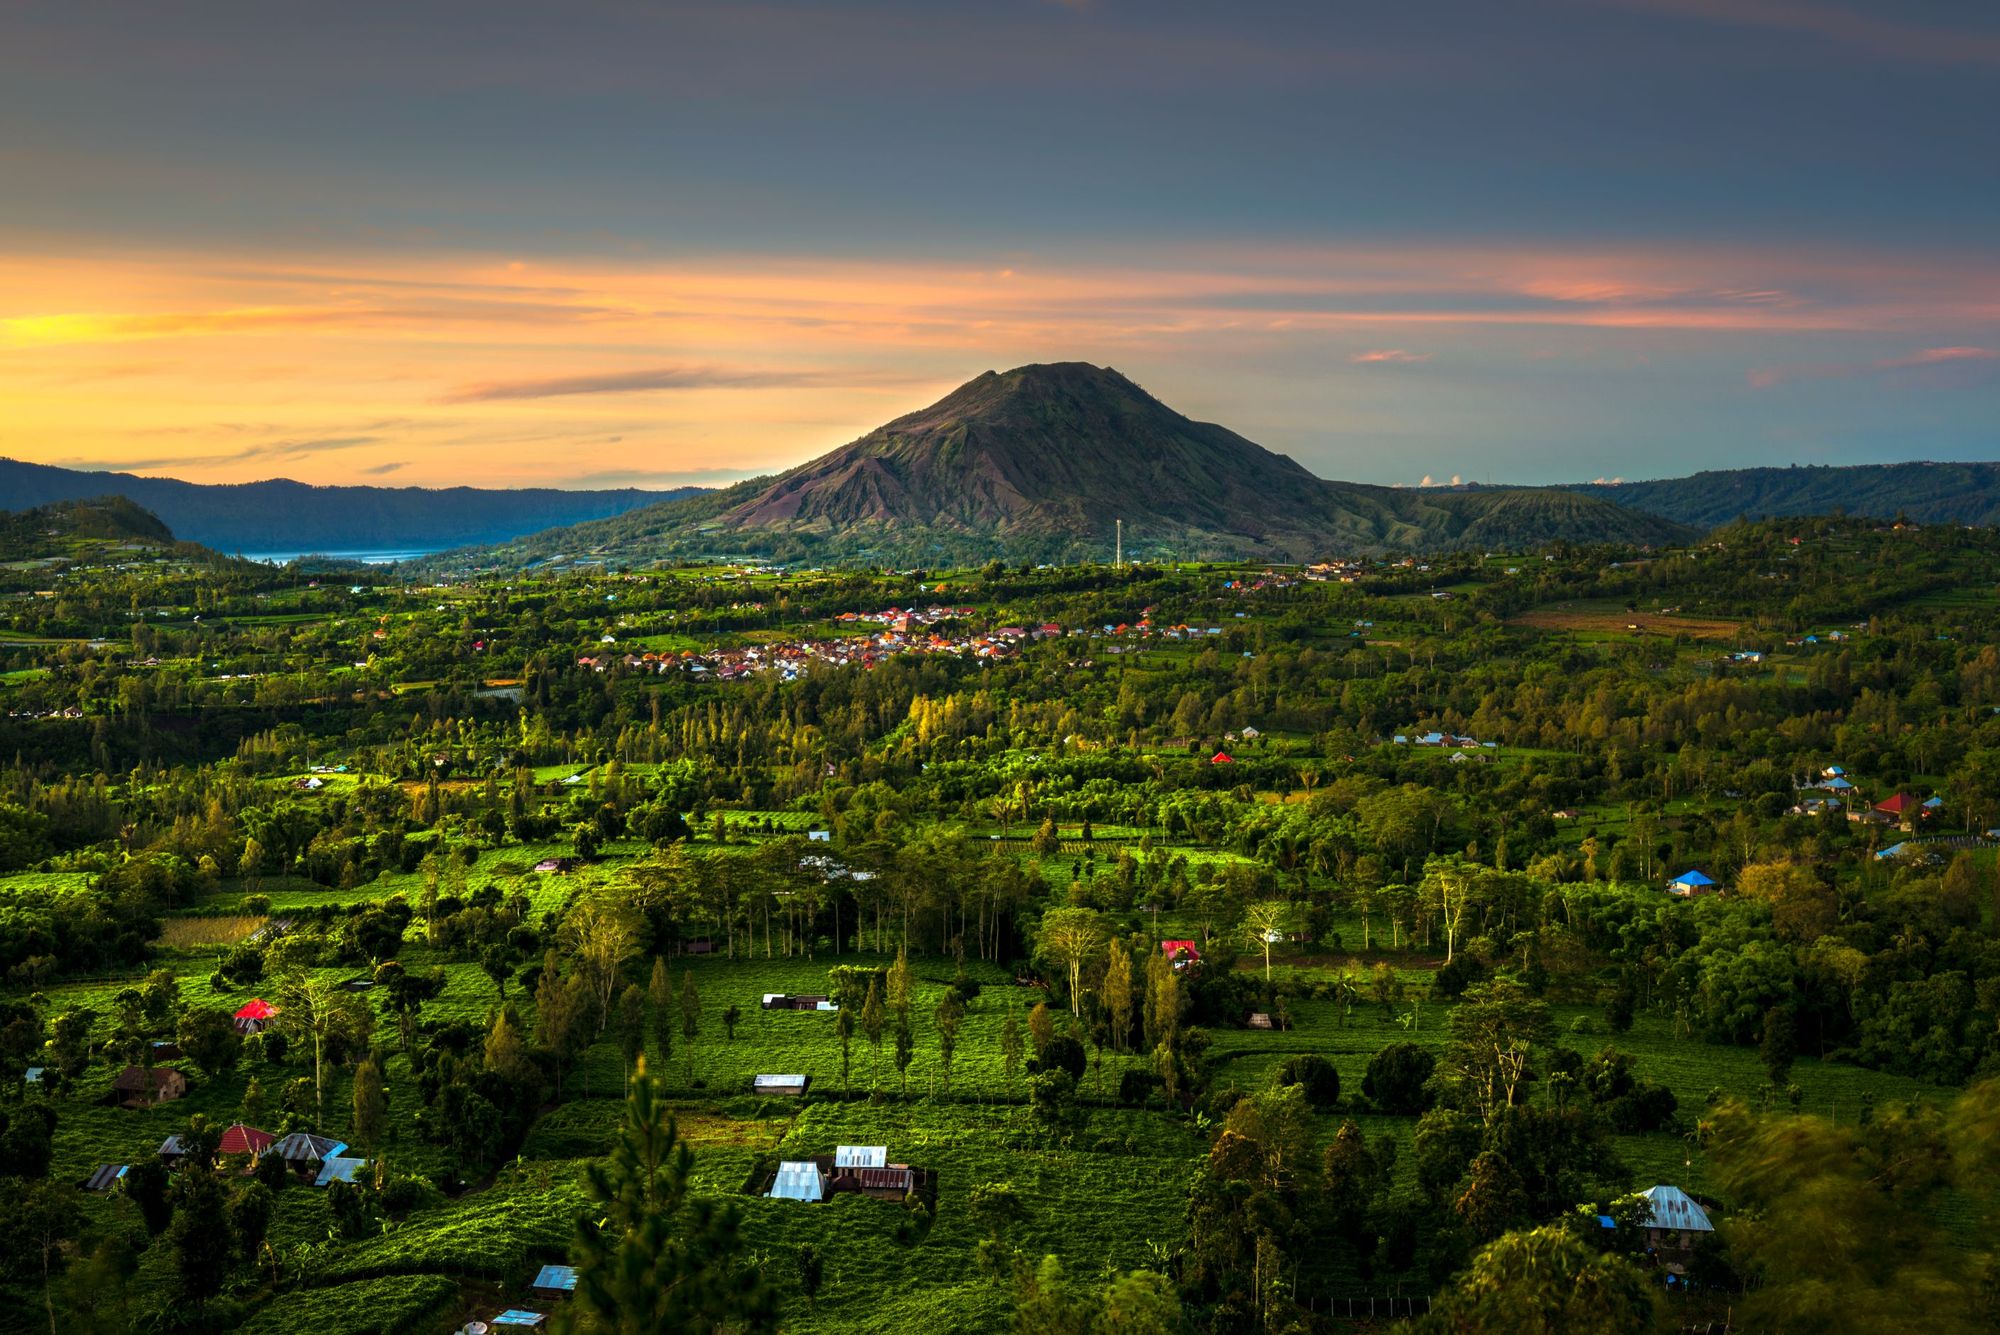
258,1009
1896,805
1173,948
1222,758
241,1139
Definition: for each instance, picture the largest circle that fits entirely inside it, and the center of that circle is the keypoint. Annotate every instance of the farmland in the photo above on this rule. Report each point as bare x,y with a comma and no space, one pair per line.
1221,946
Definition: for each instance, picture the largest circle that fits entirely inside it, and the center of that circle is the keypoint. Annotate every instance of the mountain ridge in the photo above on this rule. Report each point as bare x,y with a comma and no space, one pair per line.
1932,492
279,514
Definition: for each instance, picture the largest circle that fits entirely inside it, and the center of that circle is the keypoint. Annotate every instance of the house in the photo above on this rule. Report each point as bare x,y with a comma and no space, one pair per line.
241,1139
1565,813
255,1016
107,1176
860,1156
554,1281
1260,1020
142,1086
1251,734
515,1318
1932,806
301,1149
166,1050
891,1182
798,1180
787,1086
779,1001
1899,807
819,836
1222,758
339,1170
1182,953
556,866
1674,1221
1691,885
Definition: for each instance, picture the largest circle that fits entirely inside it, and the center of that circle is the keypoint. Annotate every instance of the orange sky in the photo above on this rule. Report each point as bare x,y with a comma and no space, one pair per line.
435,370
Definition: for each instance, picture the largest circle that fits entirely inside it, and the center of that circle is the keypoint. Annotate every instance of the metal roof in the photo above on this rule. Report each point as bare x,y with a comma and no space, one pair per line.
561,1277
798,1180
338,1170
1674,1208
861,1156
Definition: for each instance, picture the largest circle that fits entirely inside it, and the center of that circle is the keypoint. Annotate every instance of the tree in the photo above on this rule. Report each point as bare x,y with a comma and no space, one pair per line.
950,1014
1493,1030
1163,1000
906,1050
843,1030
1315,1075
812,1269
1780,1043
871,1028
37,1220
1265,923
1396,1077
1544,1282
649,1257
658,1000
1118,994
149,1186
1803,907
1071,938
1010,1044
250,1209
497,962
601,935
202,1244
210,1040
730,1019
313,1008
371,1105
632,1025
690,1016
1041,1026
1492,1200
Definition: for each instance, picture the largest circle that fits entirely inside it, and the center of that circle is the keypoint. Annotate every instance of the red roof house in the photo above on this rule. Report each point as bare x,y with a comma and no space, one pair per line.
1902,804
255,1016
1222,758
1180,952
241,1139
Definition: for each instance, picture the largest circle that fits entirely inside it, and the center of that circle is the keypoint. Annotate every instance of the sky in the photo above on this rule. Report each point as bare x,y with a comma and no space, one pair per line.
613,243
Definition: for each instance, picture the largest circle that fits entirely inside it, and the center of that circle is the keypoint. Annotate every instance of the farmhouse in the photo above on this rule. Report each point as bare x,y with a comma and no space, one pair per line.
780,1001
1899,807
301,1149
1674,1222
1691,885
141,1086
241,1139
554,1281
791,1086
1182,953
556,866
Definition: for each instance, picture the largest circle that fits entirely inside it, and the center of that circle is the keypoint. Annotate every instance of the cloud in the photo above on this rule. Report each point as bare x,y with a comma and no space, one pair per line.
380,469
655,477
1382,356
1768,377
276,449
629,382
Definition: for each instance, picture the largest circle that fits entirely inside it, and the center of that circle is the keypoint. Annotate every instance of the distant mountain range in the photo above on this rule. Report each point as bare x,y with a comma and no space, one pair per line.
1040,463
1036,463
1931,493
286,516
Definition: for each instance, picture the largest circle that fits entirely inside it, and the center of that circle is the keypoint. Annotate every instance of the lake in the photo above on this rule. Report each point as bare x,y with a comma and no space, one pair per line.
371,556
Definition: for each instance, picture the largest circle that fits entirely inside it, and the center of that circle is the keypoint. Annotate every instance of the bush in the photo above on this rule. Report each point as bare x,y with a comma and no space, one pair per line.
1062,1054
1316,1075
1135,1087
1396,1078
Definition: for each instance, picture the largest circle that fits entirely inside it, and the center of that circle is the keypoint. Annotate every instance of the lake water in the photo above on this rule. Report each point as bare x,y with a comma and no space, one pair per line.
370,557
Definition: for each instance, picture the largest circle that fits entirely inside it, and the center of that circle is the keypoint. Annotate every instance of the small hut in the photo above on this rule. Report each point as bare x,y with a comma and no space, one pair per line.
1673,1221
339,1170
554,1282
255,1017
107,1177
144,1086
790,1086
302,1149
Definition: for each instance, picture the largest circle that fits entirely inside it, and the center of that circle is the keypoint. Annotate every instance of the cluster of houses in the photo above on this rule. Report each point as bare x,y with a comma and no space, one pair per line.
780,1001
1445,741
1834,792
864,1170
552,1284
320,1160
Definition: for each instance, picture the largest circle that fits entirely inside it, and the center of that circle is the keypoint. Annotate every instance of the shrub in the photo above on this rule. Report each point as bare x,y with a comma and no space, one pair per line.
1316,1075
1397,1076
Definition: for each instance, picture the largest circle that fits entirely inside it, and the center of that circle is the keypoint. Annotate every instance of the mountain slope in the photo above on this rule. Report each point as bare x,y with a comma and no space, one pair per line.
281,515
1936,493
1039,463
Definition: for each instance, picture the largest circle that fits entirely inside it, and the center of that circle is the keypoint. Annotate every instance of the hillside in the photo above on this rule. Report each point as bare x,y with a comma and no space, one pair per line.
282,515
1933,493
1040,463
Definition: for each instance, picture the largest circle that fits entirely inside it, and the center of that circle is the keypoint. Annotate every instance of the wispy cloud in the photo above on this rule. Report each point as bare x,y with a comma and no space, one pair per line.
629,382
1770,376
1380,356
268,450
380,470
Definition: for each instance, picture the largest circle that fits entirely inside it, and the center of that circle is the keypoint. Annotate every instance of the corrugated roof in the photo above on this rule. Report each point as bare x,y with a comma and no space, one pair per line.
1675,1209
561,1277
302,1146
860,1156
338,1170
798,1180
888,1179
